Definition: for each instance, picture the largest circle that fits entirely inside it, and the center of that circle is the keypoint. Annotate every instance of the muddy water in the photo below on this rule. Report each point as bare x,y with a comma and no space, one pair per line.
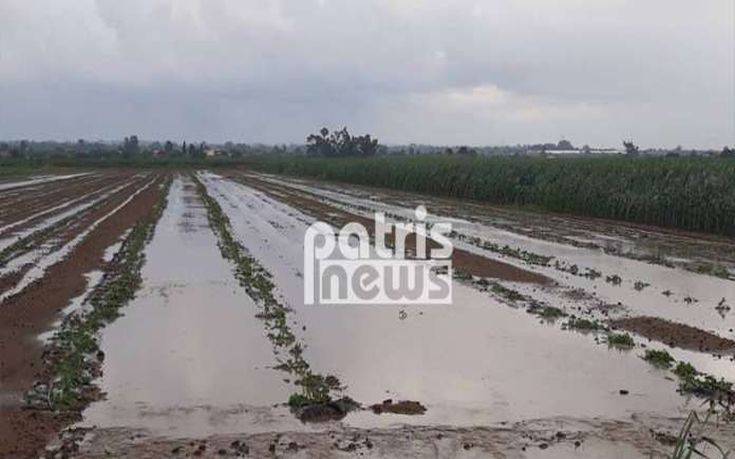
471,363
704,292
188,357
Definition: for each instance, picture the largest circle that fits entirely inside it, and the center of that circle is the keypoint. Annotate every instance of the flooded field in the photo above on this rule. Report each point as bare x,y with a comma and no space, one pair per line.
566,337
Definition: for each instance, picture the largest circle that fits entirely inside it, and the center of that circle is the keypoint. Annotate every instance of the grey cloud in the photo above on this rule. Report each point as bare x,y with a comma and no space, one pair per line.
408,71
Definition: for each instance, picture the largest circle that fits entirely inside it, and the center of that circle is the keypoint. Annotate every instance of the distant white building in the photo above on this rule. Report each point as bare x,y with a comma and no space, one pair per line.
212,153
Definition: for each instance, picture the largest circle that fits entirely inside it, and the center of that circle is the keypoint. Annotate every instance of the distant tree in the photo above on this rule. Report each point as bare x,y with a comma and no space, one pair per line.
564,145
448,151
366,146
340,143
131,146
319,144
199,152
728,152
631,149
25,148
586,150
168,147
465,151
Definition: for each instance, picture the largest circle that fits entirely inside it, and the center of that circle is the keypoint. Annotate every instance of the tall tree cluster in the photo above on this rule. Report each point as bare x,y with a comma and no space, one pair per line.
340,143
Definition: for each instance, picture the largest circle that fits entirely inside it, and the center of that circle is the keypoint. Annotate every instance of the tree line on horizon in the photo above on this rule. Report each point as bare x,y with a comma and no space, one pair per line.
334,144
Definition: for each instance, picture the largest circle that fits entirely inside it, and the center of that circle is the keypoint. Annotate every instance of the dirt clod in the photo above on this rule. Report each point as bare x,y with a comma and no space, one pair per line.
402,407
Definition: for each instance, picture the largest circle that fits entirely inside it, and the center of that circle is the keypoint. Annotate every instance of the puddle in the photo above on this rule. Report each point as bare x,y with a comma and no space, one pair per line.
188,357
472,363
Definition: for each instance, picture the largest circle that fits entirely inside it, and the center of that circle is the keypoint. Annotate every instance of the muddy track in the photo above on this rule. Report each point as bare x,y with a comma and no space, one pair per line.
558,437
61,230
462,260
676,334
72,196
61,233
51,194
24,316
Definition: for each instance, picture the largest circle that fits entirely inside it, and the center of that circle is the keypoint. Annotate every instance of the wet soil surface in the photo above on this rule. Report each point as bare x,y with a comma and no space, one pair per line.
587,279
189,370
19,202
551,438
694,251
468,262
32,311
49,240
62,201
476,362
676,334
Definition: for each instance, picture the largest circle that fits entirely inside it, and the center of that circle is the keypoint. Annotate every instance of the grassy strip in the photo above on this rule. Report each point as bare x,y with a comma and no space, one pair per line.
520,254
315,388
73,356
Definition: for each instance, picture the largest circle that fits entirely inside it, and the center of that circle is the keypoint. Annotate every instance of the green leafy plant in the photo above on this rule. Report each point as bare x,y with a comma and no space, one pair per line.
659,358
257,282
623,340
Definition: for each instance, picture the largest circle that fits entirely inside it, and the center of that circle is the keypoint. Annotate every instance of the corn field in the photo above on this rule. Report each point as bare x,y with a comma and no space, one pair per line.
695,194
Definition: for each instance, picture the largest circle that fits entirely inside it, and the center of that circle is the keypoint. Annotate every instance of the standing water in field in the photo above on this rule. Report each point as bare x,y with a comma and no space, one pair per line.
475,362
188,357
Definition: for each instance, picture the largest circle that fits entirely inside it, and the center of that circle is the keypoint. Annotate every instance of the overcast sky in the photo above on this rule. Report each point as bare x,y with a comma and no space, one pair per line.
661,72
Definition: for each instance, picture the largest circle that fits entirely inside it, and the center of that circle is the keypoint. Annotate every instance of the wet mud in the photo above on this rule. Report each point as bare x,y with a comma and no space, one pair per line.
468,262
31,312
479,378
676,335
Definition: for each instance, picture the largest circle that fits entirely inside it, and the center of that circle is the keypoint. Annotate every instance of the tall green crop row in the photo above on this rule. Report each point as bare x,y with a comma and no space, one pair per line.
688,193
